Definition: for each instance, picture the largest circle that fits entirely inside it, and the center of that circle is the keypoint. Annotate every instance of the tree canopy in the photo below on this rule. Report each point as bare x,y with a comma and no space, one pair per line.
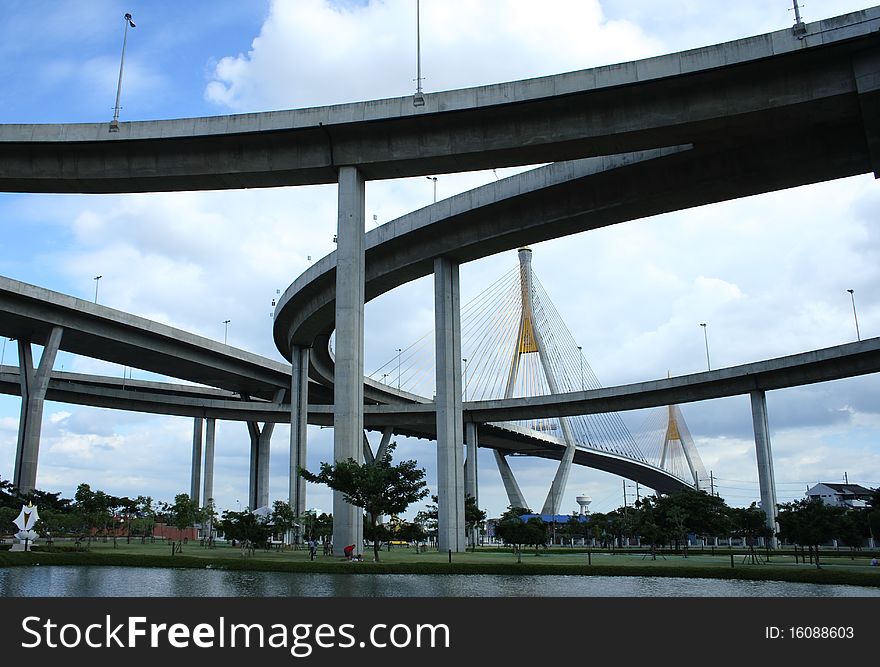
378,487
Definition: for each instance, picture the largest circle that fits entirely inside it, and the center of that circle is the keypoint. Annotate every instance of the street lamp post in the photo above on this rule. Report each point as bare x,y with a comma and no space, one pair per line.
225,330
419,97
581,360
706,339
855,317
433,178
399,352
114,124
96,279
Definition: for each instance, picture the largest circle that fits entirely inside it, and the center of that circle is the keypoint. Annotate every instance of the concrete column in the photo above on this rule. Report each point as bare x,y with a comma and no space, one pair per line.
299,420
261,443
471,486
210,432
387,432
369,457
34,383
766,478
196,470
471,439
265,445
514,494
254,437
450,438
348,399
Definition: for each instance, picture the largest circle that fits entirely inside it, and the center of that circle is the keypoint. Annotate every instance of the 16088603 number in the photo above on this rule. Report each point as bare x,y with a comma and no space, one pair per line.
821,632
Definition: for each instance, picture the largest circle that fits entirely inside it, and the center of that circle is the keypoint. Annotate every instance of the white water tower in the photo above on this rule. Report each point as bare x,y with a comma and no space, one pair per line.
584,501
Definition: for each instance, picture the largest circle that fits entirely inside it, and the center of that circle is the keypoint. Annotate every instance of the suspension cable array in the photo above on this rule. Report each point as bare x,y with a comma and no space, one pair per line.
515,344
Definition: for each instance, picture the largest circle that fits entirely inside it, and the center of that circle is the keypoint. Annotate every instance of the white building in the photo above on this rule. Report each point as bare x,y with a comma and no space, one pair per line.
841,495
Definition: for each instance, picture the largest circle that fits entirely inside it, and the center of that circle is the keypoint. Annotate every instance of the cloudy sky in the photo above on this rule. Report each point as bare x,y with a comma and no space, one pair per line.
767,274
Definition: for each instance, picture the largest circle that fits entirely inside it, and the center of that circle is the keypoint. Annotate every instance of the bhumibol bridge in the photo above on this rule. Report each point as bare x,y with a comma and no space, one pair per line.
623,142
515,344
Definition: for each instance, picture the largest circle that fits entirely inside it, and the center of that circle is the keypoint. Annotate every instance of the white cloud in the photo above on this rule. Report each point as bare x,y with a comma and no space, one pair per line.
368,52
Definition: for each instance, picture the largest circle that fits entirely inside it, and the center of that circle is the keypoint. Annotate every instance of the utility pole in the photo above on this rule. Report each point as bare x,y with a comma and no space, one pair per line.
711,483
114,124
706,338
855,316
419,97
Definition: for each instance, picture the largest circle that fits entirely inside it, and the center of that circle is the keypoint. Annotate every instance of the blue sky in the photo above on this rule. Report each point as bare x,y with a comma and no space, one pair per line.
768,274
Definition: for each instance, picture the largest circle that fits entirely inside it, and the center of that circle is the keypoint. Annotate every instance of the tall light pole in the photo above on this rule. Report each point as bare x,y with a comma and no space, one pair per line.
433,178
706,338
3,354
225,330
581,359
855,317
114,124
419,97
96,279
399,352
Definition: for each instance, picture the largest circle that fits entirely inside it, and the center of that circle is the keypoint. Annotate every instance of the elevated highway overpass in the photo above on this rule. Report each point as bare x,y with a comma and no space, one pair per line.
662,134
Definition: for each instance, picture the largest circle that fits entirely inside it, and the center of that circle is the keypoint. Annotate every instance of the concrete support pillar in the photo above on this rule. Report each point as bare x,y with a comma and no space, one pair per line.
471,485
514,494
210,434
369,457
253,472
196,469
471,439
766,478
348,400
387,432
450,438
261,444
299,420
34,383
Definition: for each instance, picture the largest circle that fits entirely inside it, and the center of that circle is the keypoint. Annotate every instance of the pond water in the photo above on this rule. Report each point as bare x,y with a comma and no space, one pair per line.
95,581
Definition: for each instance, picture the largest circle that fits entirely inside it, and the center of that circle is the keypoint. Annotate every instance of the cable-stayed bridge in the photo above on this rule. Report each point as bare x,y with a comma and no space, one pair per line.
515,345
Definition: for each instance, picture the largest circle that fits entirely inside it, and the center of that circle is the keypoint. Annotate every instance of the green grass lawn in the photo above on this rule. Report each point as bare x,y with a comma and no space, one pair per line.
836,569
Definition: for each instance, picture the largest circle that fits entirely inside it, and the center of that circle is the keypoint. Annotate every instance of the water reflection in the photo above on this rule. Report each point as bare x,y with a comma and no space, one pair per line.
68,581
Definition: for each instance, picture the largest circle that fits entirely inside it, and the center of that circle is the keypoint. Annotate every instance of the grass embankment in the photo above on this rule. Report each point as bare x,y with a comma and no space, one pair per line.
835,569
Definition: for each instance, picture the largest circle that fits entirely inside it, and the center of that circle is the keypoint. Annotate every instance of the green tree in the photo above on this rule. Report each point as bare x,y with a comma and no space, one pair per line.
184,513
853,528
209,521
473,517
93,508
283,518
145,519
651,523
379,487
808,522
245,527
749,522
518,533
